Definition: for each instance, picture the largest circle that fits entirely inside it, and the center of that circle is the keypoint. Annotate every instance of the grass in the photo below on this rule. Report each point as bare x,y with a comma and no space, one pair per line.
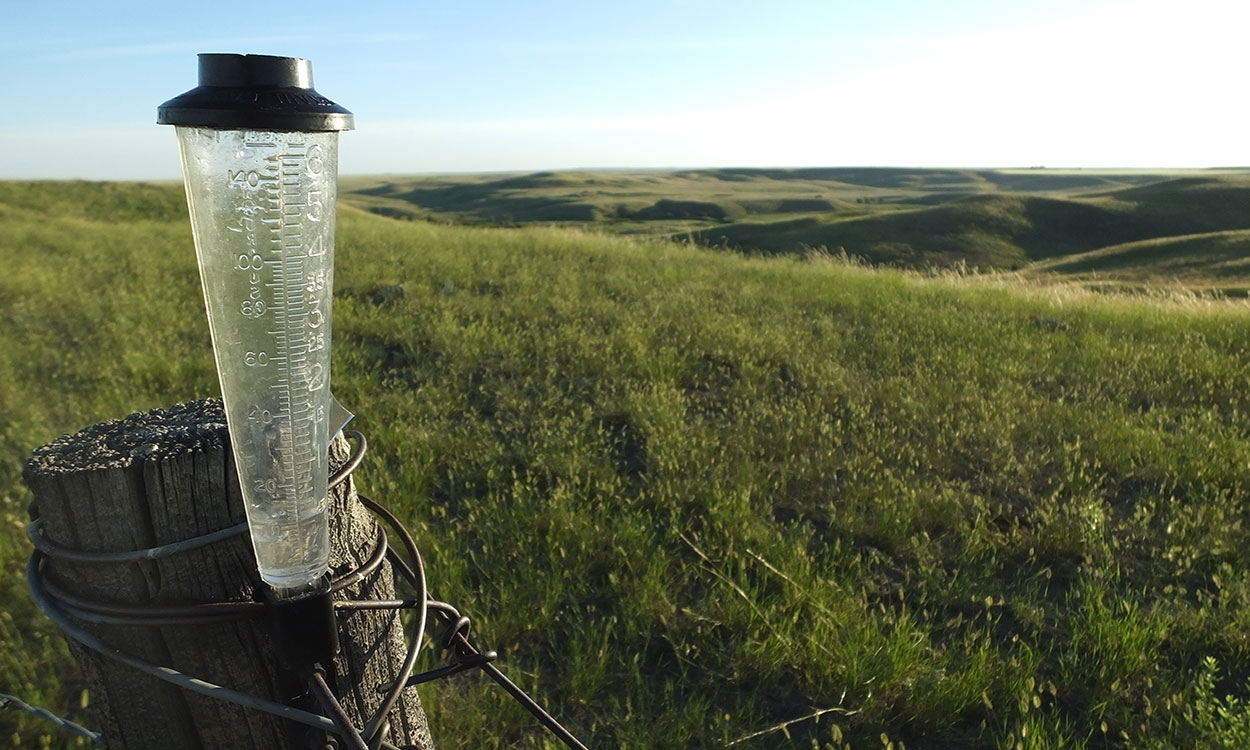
1197,259
692,496
1032,220
1012,230
658,203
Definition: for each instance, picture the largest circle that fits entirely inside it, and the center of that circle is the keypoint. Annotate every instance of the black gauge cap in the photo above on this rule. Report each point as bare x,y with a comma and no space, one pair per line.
255,92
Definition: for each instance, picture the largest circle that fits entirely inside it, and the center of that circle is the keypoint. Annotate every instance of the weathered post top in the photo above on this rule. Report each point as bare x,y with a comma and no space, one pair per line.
195,426
110,494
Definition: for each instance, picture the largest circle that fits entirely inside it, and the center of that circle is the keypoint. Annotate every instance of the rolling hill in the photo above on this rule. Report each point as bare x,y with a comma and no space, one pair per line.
1200,260
697,499
1013,231
1014,220
641,202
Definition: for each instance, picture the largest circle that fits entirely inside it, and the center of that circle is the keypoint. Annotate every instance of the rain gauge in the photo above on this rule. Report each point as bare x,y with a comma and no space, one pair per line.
260,159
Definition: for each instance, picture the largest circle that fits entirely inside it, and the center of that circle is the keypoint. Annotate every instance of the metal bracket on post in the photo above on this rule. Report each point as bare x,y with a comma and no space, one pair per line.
304,629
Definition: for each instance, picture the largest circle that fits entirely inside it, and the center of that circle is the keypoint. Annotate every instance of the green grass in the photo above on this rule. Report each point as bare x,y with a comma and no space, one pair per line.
1014,230
1196,259
691,496
633,202
1025,219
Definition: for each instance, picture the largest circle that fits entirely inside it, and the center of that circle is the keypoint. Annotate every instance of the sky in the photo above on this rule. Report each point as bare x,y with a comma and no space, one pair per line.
506,86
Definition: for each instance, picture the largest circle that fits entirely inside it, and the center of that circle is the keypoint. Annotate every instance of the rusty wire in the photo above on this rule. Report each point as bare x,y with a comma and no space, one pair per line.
63,608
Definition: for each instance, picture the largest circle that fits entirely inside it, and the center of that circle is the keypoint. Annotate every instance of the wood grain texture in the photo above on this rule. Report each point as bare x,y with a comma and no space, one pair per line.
168,475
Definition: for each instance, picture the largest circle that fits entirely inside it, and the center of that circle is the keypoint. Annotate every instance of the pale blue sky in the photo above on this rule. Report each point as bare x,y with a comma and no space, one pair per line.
488,86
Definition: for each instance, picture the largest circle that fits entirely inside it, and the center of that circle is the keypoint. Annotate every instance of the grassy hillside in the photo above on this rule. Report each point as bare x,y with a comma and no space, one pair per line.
657,202
691,496
1212,260
648,202
986,231
913,218
1008,231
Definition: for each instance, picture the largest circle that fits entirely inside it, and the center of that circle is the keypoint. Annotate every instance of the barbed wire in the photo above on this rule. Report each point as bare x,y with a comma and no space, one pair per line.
64,609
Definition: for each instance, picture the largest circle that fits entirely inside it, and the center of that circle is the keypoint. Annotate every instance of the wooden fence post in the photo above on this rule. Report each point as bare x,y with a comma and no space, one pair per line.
165,476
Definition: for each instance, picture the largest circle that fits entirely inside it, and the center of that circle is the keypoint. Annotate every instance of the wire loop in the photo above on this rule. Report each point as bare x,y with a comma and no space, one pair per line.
64,608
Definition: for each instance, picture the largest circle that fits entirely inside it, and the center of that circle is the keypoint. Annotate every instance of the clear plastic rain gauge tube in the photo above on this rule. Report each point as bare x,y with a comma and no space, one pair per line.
260,159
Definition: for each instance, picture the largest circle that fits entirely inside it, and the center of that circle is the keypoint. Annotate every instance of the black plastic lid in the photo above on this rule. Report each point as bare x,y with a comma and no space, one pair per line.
256,92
